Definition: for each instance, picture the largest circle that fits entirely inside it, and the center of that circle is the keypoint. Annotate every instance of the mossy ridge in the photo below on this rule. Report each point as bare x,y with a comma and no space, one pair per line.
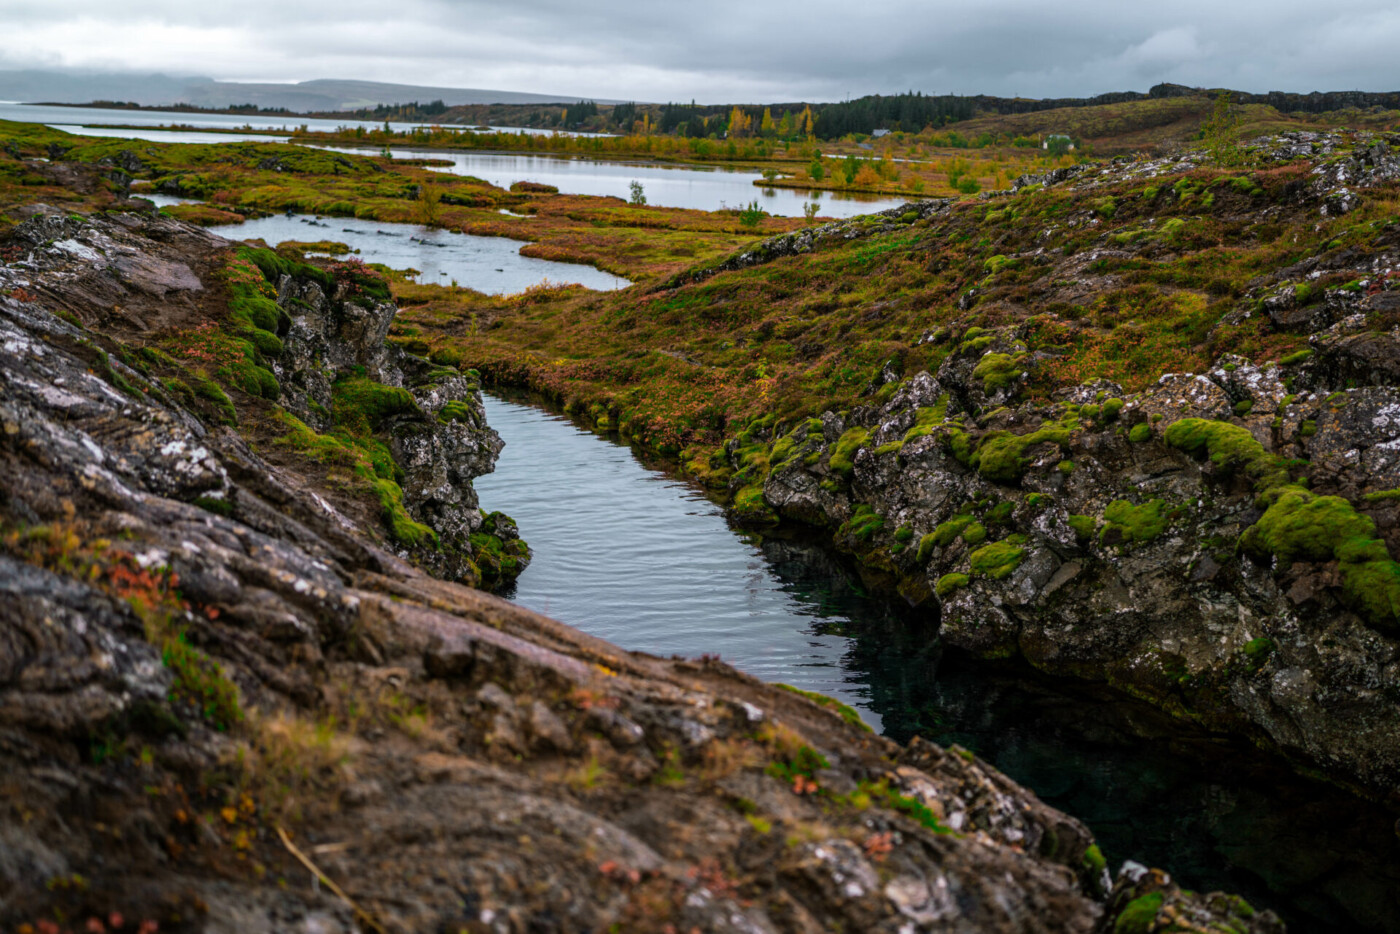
371,467
1000,455
844,711
1300,525
1229,447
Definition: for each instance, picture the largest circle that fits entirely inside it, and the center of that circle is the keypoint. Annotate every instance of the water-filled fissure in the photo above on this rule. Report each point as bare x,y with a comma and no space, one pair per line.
629,553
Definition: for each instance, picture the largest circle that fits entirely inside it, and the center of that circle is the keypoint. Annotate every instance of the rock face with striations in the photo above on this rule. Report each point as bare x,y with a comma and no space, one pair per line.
215,683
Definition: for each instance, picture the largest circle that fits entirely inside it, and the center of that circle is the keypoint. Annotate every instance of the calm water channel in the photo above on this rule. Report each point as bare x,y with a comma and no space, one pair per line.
629,553
705,189
487,264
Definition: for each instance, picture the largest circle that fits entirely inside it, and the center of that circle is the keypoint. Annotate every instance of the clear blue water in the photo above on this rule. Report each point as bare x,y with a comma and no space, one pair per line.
628,552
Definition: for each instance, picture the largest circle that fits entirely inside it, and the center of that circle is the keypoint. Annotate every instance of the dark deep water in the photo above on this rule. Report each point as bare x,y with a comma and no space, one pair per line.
631,554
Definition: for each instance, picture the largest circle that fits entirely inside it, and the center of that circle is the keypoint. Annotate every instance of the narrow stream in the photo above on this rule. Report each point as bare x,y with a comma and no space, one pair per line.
629,553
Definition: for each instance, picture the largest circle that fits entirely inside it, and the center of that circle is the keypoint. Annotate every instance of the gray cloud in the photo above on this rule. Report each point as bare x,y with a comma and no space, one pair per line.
724,50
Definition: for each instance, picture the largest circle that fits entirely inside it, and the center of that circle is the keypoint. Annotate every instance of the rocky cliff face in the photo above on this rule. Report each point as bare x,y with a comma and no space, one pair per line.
1221,543
302,350
227,705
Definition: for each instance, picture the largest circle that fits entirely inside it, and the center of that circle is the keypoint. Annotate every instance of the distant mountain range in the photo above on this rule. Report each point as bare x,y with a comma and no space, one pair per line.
302,97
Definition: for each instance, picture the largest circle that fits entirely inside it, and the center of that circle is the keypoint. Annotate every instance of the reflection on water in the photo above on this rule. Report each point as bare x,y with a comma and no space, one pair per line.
487,264
670,186
646,561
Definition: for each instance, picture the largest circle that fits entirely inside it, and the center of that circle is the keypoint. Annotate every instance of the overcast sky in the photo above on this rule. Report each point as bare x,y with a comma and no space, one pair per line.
728,50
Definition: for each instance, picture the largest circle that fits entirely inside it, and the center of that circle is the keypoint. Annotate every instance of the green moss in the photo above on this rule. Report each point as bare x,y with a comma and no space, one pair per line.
949,583
843,453
220,506
998,559
750,508
1000,514
1297,357
212,392
846,712
1000,455
975,533
1139,914
926,420
1127,522
903,534
455,411
202,682
1140,432
496,559
1094,862
267,343
1244,407
362,405
926,546
1111,408
1257,651
999,370
863,524
402,526
1230,447
1300,525
881,793
1065,467
1083,526
948,532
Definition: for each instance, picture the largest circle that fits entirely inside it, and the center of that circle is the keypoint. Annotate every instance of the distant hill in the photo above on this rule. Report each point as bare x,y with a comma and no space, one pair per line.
304,97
